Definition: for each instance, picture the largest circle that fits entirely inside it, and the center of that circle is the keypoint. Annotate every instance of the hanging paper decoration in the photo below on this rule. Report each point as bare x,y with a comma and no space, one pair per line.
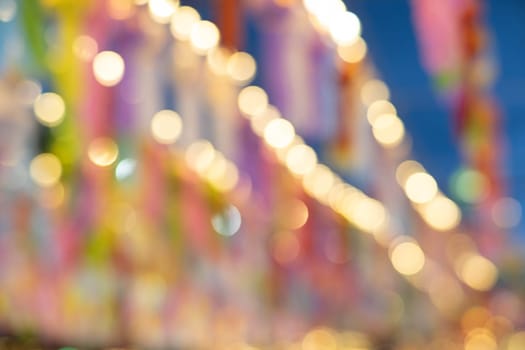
124,227
455,50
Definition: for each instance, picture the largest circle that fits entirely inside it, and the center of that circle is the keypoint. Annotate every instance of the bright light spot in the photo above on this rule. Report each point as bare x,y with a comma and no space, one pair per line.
350,197
241,67
354,52
259,122
183,21
28,91
296,214
228,222
166,126
345,28
301,159
218,59
406,169
221,173
285,247
229,180
210,164
200,156
477,272
217,169
7,10
441,213
85,47
337,195
108,67
313,6
374,90
407,258
506,213
421,188
470,185
320,339
388,130
319,181
279,133
480,339
367,214
49,109
204,36
162,10
378,108
103,151
516,341
252,100
125,168
45,170
281,153
325,11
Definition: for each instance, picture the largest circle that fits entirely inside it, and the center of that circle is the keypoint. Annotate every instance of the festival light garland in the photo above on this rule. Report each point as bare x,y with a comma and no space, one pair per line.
317,180
435,208
367,214
387,127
